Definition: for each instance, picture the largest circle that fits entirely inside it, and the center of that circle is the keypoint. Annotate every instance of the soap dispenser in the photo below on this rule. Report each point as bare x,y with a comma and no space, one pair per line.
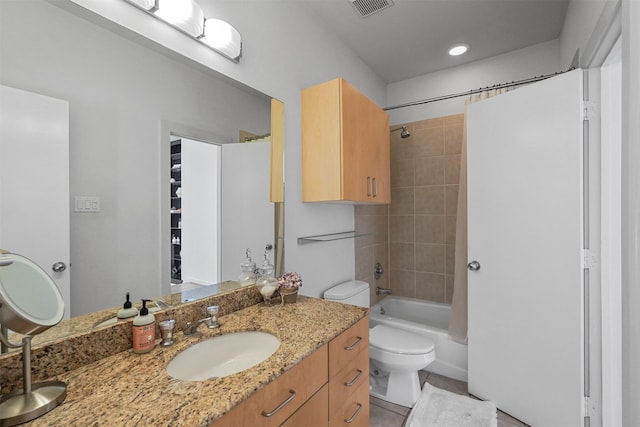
127,310
248,267
144,330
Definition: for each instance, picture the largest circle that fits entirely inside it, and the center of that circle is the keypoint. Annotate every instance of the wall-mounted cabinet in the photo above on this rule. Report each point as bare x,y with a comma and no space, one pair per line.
345,145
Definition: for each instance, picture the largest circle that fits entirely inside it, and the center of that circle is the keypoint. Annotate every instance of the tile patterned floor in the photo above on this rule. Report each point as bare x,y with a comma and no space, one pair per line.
384,414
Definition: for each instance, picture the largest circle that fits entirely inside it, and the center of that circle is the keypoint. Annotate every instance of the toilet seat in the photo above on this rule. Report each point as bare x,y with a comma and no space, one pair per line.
398,341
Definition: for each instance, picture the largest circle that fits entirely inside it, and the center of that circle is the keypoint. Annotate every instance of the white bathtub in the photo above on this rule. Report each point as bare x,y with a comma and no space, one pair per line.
425,318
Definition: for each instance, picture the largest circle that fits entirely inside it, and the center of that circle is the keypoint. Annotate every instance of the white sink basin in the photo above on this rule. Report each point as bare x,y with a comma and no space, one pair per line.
222,355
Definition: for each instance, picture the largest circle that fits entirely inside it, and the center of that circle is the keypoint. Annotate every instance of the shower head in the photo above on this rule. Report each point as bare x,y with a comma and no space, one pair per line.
404,134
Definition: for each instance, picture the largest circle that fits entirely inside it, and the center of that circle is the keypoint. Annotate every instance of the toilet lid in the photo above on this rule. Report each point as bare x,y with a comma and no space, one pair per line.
399,341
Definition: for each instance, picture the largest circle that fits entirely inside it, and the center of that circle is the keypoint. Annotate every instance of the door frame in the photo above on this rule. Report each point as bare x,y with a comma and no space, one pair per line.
606,302
166,130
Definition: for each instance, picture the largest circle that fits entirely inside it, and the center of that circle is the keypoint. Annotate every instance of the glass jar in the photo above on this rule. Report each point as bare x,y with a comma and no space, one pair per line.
267,284
248,268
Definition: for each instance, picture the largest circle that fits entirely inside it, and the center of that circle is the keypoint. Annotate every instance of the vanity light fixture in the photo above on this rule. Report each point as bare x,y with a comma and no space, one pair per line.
221,36
458,49
144,4
188,17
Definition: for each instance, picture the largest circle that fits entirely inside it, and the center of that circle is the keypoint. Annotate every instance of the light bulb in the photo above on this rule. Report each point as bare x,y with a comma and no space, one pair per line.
223,37
458,49
184,14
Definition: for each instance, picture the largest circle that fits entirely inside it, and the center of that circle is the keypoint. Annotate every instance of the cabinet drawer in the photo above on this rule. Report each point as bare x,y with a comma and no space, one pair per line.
288,392
313,413
355,410
348,380
346,346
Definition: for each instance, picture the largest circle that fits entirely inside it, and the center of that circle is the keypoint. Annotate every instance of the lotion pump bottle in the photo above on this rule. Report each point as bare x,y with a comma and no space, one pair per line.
144,330
127,310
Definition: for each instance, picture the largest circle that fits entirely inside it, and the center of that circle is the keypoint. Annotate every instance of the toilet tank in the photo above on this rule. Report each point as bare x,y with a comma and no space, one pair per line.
354,292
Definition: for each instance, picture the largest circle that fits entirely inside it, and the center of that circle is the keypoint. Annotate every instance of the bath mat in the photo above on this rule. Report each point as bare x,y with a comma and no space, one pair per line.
440,408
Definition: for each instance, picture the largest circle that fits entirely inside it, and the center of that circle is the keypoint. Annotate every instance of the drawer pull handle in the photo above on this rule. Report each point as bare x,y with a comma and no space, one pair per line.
280,406
353,417
354,345
353,381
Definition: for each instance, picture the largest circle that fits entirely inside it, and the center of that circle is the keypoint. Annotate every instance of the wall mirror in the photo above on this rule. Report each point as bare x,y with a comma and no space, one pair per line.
121,105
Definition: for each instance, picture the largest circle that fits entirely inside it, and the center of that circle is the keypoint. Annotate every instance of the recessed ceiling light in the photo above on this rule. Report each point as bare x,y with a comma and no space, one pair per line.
458,49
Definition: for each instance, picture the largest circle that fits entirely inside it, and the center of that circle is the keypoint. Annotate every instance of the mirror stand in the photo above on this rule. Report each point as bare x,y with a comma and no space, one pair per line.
34,400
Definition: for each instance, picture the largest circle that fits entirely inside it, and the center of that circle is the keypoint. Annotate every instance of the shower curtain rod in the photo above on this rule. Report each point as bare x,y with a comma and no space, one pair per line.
474,91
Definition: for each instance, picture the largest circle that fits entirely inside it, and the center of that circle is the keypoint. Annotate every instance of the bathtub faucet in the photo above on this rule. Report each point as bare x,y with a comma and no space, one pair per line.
382,291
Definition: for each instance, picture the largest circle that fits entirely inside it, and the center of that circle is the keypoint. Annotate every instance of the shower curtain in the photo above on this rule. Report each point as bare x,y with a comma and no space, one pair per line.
458,319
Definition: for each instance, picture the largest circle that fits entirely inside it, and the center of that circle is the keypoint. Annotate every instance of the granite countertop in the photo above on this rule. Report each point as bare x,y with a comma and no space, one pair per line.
134,389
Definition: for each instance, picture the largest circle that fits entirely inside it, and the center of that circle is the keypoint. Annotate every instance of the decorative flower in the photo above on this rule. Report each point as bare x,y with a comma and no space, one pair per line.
290,281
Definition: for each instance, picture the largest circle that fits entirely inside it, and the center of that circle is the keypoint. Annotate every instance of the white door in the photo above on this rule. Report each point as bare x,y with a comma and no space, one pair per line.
34,181
525,231
245,209
200,210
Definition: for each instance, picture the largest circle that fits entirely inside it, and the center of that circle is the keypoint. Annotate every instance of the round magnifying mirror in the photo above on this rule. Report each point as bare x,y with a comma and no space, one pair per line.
30,301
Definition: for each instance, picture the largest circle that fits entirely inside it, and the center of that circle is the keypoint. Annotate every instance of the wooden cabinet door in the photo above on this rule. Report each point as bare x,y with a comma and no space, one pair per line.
313,413
346,346
365,148
288,393
357,158
348,380
380,145
321,143
355,410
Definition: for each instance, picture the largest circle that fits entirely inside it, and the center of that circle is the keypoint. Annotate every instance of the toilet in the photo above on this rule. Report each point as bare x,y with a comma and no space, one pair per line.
395,355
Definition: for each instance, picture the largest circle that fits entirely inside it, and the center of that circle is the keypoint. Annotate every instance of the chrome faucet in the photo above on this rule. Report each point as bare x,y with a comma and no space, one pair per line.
192,327
211,321
383,291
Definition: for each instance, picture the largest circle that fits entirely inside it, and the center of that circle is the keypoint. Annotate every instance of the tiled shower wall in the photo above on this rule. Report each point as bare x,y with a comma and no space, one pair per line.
414,236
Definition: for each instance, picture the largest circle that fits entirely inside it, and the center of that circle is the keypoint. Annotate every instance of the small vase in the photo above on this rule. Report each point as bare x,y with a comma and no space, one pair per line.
289,296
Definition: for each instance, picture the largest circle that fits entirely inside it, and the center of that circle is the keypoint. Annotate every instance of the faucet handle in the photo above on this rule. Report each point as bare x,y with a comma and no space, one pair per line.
166,329
212,312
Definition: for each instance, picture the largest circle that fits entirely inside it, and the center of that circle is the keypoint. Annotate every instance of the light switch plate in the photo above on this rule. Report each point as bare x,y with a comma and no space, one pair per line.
87,204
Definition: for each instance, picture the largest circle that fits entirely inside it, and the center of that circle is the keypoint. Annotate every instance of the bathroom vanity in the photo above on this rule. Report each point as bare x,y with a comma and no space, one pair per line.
330,387
320,369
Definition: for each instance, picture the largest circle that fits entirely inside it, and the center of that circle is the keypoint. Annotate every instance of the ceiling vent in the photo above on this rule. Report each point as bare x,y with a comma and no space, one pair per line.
367,8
